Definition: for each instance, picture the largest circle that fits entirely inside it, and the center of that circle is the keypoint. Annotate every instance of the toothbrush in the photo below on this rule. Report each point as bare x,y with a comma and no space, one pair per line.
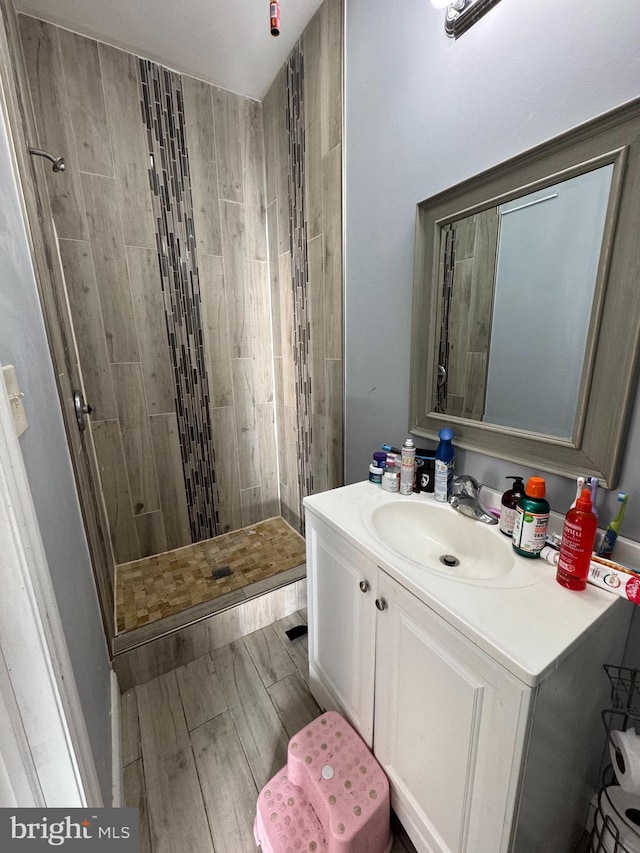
579,487
592,483
611,534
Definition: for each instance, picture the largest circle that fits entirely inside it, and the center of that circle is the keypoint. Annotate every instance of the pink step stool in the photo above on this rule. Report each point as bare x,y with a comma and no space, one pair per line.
332,796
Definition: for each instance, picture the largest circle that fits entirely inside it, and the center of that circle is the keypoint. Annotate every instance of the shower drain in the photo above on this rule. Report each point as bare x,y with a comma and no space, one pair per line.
222,572
449,560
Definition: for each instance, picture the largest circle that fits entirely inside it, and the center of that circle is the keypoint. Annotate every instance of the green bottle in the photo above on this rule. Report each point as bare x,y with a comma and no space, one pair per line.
532,519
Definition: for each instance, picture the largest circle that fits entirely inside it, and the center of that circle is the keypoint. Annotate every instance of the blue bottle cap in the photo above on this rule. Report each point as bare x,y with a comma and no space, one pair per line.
445,434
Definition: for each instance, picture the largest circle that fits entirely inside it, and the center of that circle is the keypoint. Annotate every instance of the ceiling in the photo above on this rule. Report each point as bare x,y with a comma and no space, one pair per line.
225,42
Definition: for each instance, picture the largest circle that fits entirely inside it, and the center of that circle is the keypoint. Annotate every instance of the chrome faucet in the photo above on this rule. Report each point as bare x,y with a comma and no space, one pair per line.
465,498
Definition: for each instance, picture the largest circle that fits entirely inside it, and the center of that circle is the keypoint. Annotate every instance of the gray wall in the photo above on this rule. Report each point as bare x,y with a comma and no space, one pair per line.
424,112
44,448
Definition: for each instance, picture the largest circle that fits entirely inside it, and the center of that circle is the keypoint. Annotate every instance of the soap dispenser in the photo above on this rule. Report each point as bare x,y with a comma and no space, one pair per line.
509,505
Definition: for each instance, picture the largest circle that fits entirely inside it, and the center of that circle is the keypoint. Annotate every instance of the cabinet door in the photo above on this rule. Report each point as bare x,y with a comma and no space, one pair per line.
449,729
341,613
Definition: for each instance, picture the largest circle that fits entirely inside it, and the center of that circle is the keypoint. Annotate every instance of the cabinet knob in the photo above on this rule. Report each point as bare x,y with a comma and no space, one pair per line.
365,586
381,604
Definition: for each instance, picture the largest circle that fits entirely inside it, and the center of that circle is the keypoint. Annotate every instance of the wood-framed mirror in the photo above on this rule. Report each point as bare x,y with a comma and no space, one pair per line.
526,305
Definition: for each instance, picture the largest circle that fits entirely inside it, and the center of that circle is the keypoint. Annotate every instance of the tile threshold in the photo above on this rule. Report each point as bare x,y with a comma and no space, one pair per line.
135,637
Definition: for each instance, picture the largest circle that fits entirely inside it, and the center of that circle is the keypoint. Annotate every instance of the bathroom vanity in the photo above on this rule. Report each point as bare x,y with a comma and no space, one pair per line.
478,686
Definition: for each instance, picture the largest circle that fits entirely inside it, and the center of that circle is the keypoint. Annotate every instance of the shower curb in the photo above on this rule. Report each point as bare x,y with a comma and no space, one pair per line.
157,648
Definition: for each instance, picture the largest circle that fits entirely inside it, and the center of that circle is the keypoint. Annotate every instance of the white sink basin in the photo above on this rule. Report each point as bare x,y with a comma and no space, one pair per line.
441,540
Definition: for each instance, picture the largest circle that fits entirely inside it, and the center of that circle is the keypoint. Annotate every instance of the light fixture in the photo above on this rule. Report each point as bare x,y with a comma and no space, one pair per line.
462,14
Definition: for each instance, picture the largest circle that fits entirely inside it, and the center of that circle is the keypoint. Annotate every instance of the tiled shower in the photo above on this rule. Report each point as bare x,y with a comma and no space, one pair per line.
200,234
468,257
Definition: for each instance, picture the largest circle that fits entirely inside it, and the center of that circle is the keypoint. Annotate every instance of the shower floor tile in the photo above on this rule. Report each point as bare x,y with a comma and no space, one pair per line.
165,584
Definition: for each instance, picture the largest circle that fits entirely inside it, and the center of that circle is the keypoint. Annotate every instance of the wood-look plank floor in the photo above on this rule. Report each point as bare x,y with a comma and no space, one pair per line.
200,741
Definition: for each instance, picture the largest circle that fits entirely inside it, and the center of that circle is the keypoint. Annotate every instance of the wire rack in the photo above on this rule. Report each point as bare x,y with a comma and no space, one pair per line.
625,689
624,712
613,830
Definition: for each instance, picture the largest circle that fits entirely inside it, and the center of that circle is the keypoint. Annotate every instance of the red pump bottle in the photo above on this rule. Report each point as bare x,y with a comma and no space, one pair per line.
578,539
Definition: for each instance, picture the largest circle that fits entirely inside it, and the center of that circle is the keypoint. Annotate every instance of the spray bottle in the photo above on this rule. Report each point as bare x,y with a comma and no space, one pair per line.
444,465
578,537
408,467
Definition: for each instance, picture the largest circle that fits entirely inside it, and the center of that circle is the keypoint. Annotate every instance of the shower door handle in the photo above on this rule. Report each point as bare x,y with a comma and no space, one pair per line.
82,409
58,162
442,375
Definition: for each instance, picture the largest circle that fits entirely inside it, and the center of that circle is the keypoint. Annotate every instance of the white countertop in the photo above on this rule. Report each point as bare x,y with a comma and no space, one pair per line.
527,629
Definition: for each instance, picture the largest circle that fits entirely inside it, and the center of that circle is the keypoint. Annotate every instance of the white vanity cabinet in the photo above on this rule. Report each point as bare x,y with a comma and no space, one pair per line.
479,761
342,626
449,727
447,718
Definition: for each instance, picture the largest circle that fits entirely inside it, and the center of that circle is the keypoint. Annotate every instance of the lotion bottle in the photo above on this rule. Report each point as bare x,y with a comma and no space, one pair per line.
509,505
578,538
532,519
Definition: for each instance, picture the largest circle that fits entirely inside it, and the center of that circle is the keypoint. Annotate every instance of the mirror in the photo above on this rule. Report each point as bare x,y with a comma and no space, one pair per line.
533,260
526,311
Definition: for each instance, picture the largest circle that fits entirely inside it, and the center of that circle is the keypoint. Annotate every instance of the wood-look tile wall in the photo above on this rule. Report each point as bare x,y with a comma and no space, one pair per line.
162,106
467,265
86,98
315,170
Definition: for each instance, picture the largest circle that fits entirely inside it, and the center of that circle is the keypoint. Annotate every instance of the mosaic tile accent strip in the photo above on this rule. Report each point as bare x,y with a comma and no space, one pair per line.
162,585
163,116
299,268
448,233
